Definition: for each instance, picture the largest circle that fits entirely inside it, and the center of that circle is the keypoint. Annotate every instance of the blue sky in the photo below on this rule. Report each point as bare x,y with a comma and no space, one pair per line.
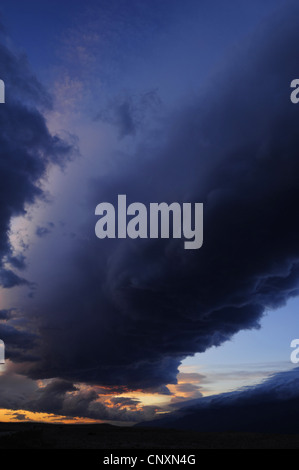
250,356
38,27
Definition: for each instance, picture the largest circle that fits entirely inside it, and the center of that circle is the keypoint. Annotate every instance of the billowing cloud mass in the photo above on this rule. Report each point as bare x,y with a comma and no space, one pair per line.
64,399
126,313
271,407
27,149
128,113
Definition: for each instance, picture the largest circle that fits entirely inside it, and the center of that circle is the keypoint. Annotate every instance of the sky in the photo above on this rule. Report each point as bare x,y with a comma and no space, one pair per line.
161,101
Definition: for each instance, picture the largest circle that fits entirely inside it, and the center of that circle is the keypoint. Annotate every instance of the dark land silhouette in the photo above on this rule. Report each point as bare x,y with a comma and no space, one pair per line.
104,436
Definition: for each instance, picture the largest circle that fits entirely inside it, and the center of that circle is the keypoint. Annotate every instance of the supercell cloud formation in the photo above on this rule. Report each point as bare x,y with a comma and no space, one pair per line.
126,313
129,312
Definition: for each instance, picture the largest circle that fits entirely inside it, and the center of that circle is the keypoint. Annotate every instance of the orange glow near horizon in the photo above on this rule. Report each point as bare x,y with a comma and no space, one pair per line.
188,387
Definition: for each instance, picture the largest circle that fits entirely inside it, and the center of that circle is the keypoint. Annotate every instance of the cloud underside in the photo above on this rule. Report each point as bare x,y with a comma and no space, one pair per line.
129,312
270,407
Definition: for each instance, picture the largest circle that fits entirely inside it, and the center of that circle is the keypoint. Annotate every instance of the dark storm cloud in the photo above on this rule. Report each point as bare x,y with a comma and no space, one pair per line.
42,231
9,279
51,398
20,417
6,314
26,150
123,402
62,398
132,310
271,407
18,262
129,112
18,342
